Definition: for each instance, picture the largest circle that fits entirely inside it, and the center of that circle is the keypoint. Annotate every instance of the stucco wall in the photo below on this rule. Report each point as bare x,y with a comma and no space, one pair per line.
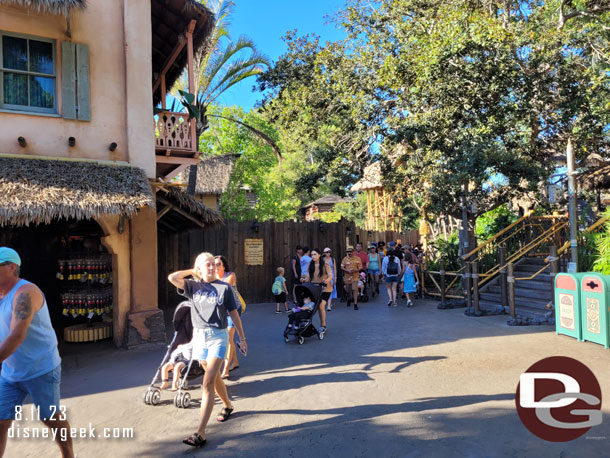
121,98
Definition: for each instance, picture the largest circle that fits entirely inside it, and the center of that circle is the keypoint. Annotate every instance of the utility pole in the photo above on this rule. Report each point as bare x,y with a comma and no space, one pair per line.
572,206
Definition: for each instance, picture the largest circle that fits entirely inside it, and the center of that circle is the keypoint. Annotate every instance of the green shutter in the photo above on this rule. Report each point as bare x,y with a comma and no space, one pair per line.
82,80
68,80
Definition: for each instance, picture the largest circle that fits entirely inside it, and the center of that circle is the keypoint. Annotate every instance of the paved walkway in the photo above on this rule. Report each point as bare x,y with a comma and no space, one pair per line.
386,382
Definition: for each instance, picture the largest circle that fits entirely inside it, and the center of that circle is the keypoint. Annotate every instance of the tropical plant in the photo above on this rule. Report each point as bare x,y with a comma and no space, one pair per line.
220,65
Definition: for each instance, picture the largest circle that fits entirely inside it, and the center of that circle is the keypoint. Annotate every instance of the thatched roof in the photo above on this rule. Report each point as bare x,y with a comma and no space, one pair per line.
179,211
596,178
371,178
331,199
170,19
48,6
38,191
213,174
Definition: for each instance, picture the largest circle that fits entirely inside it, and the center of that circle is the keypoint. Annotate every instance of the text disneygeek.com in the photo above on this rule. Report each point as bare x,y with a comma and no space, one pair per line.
16,431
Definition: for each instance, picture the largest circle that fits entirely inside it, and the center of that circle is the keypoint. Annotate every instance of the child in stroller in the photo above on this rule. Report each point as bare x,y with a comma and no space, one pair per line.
300,323
362,293
178,360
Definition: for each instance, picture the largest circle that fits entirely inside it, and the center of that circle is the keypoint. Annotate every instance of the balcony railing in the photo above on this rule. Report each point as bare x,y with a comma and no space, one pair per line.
174,132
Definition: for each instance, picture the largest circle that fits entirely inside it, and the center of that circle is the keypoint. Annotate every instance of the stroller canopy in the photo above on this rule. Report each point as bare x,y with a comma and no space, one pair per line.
312,290
183,326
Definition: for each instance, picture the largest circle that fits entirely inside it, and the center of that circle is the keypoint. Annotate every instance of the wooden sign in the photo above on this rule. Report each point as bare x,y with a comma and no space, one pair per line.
254,253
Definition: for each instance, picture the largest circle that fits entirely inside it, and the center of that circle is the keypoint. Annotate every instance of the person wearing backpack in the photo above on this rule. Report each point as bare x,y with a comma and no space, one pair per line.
279,290
391,270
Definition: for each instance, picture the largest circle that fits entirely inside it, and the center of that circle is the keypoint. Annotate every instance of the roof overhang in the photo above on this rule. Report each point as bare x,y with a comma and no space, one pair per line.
177,211
37,191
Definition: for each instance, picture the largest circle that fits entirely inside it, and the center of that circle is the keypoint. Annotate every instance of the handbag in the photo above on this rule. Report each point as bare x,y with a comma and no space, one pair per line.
242,302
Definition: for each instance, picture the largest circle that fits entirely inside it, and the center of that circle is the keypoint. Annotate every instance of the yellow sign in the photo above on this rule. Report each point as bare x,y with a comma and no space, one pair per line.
254,253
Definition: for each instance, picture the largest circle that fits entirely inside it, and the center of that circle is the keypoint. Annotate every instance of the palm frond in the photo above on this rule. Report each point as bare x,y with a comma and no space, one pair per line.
259,133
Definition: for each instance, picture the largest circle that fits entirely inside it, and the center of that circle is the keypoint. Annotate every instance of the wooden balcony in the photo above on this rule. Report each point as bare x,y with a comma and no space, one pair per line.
175,143
174,134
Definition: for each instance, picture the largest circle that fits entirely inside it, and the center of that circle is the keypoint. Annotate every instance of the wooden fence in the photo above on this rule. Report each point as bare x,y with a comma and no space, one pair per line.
178,251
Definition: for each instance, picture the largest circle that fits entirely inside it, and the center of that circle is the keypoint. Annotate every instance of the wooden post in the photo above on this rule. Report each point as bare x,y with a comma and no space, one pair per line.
163,91
191,77
468,282
511,289
442,270
554,260
475,286
503,284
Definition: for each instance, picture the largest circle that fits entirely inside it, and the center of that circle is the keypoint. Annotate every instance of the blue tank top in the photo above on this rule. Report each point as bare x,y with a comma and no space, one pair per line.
374,261
38,353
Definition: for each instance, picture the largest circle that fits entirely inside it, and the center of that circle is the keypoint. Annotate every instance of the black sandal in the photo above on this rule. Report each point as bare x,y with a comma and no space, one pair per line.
224,414
195,440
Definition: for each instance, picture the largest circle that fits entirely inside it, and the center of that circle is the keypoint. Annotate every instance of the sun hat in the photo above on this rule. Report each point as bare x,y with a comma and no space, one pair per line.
349,248
9,255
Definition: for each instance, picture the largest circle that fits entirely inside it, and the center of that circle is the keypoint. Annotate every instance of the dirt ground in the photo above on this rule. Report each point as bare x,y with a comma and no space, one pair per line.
385,382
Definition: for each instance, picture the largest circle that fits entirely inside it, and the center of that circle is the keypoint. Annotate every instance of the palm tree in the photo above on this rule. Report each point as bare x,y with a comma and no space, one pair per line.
219,65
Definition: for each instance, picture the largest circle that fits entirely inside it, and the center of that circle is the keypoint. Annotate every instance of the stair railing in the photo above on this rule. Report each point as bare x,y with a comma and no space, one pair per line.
529,235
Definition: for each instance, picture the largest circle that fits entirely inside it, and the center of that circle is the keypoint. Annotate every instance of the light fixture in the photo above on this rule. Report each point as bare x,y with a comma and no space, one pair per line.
112,146
255,226
22,142
71,141
321,226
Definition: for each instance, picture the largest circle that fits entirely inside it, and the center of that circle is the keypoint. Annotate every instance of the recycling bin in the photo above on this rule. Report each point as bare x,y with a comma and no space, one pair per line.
595,308
567,304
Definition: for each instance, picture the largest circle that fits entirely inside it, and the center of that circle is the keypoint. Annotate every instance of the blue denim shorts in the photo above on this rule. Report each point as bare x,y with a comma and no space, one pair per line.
210,343
44,391
391,279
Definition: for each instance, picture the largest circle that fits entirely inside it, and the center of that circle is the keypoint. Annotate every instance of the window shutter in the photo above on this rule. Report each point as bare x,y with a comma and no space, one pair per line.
82,80
68,80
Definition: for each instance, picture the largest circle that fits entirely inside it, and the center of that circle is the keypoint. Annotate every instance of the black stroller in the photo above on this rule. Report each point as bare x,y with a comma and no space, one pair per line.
305,327
183,333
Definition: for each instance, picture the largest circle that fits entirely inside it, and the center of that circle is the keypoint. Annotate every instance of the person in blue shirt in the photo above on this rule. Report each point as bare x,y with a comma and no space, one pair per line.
28,353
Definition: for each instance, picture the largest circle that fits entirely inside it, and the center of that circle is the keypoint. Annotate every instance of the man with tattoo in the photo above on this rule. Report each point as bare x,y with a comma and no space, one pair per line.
28,354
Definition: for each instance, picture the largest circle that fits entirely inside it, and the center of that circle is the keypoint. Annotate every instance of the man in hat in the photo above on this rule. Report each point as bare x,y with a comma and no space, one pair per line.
28,353
351,266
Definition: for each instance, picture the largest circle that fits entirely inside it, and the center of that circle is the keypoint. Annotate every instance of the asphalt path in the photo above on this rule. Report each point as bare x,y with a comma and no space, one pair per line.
385,382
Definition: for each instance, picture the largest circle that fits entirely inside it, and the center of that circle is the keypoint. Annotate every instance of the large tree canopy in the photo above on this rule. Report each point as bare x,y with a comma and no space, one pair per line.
476,96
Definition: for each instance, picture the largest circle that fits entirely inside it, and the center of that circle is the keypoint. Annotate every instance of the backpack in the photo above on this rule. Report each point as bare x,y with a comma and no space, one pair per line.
392,266
276,288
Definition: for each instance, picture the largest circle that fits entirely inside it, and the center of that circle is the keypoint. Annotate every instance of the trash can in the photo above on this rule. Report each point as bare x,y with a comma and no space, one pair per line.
595,312
567,304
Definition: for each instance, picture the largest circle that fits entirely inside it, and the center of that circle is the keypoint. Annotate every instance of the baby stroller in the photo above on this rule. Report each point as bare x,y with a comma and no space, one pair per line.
183,333
364,297
305,327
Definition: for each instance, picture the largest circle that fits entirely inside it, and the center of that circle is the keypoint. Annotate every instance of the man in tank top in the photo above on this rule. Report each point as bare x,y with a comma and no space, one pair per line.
28,353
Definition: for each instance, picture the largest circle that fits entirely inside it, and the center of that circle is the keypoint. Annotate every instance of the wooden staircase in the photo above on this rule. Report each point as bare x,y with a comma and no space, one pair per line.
533,298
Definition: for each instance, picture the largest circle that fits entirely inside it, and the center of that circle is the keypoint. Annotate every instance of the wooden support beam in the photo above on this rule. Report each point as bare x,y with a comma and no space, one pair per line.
174,173
169,62
180,211
162,213
177,160
191,76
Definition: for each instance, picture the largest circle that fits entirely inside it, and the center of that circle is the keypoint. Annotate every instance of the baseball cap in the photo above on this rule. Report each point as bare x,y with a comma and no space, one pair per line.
9,255
327,250
392,244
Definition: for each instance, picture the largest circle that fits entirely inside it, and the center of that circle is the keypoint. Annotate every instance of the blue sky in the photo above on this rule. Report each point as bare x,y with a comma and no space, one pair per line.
265,23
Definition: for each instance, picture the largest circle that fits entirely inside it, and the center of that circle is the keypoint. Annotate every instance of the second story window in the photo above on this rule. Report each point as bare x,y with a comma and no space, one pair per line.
27,74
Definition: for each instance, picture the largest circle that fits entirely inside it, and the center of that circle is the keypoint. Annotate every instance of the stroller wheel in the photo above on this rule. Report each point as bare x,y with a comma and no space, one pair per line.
286,339
301,340
147,397
182,400
155,397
